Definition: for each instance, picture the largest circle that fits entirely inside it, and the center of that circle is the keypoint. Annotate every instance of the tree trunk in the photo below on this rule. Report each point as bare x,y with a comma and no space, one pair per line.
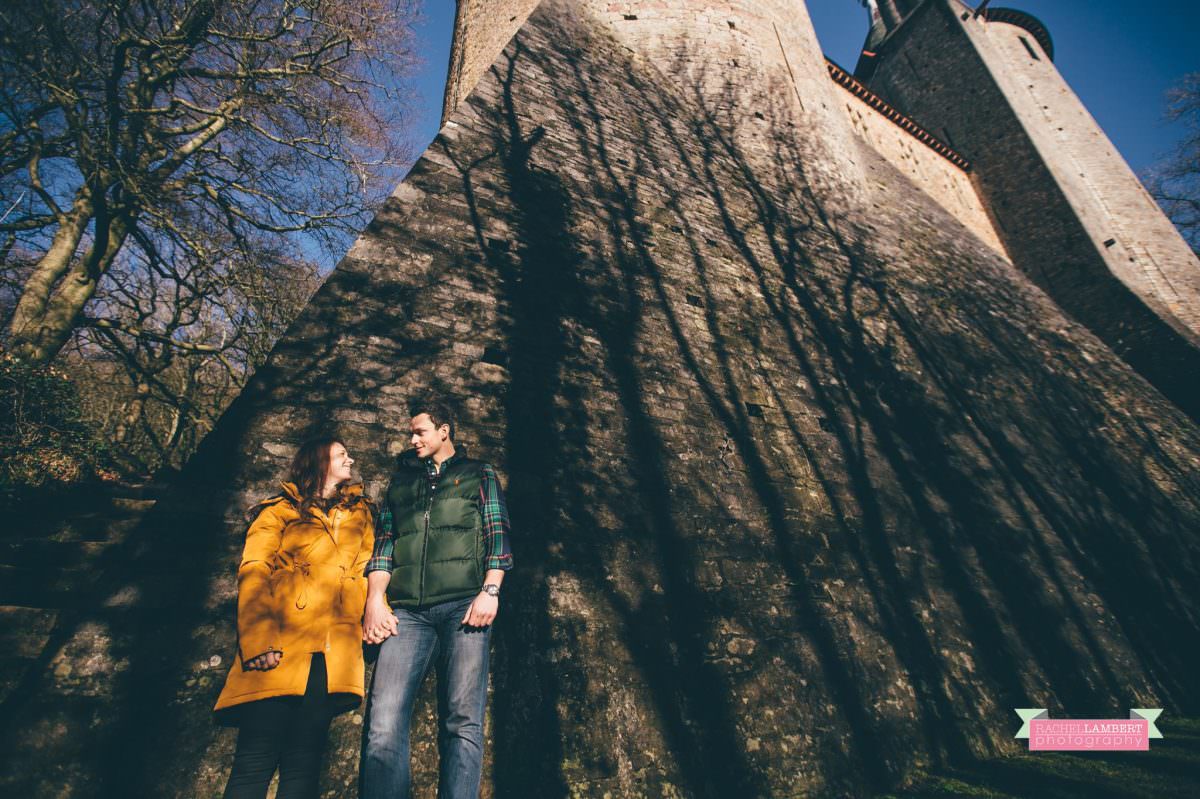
178,419
43,335
133,413
28,317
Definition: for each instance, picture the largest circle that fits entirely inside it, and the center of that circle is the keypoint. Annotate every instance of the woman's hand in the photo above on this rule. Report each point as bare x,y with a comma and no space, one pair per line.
379,623
264,662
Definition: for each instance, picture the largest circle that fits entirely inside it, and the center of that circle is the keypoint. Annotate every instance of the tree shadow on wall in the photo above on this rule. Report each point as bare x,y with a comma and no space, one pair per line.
555,294
917,369
873,319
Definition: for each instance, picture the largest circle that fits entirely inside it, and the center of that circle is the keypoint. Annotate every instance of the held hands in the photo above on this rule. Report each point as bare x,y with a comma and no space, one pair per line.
379,623
482,611
264,662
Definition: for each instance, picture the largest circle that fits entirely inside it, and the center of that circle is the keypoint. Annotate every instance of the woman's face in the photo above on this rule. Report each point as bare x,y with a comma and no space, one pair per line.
339,464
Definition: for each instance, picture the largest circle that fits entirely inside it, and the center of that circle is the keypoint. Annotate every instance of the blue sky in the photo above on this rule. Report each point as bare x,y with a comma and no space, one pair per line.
1120,57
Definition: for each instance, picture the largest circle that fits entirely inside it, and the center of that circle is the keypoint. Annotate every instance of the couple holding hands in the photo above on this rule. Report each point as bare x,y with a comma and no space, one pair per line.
324,571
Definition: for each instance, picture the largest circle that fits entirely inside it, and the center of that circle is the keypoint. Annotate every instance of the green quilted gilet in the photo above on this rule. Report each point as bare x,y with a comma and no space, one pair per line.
438,554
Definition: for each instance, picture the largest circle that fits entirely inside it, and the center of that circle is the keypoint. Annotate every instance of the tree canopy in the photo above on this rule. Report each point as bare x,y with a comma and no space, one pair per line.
188,130
173,172
1175,183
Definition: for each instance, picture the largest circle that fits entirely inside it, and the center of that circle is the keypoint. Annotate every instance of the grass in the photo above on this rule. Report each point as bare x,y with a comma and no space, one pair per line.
1170,769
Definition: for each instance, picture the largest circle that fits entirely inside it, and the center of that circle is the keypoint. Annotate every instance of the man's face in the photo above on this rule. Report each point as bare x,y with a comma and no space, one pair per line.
426,439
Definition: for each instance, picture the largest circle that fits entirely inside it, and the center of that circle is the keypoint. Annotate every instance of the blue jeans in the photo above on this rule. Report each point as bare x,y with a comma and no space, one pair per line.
460,656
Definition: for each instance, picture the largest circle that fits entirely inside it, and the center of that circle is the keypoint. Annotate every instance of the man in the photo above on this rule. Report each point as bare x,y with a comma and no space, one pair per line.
433,586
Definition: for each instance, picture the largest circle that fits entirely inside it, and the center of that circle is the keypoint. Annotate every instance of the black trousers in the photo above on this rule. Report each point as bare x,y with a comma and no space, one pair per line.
285,732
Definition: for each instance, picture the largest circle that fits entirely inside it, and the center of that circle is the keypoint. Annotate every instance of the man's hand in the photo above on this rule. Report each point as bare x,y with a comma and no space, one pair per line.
482,611
379,623
264,662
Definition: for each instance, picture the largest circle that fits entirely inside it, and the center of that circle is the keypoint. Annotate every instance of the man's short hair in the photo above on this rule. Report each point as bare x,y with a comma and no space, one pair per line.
439,412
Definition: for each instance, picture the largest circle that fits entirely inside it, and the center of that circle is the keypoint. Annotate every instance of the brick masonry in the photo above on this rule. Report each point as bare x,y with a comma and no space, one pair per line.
810,485
944,176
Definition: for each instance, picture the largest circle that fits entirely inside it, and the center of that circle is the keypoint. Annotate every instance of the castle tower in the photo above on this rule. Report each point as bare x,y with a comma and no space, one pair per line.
482,28
1070,212
755,65
888,14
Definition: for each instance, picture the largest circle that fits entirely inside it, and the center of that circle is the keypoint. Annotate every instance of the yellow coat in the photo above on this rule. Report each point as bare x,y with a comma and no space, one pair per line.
301,590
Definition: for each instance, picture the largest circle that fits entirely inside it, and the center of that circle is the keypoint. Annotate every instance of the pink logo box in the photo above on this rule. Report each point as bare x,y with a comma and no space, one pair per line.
1089,735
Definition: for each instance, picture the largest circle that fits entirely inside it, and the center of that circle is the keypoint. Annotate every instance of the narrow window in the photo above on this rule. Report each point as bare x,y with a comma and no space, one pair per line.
1029,47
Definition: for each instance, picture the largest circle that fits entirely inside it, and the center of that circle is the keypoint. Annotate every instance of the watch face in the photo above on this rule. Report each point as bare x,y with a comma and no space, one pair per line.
492,590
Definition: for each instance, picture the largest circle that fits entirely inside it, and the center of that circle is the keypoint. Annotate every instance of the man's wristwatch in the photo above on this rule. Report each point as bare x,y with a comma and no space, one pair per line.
491,589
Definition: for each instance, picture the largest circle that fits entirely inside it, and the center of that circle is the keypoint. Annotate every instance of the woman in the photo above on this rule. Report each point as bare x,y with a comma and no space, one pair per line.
301,592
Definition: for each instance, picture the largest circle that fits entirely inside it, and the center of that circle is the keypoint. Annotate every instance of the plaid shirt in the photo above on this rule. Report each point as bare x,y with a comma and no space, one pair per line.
496,530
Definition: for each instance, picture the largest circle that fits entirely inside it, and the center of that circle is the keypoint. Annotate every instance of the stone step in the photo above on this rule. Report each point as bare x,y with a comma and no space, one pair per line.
46,588
143,491
51,553
98,528
157,584
48,555
23,630
88,522
132,504
23,635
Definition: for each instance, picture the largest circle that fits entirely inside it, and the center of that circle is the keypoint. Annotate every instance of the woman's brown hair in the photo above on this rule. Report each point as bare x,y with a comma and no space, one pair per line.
309,467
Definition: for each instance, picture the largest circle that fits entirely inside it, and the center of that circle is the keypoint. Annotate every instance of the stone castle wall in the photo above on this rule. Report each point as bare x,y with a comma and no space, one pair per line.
724,48
751,63
932,172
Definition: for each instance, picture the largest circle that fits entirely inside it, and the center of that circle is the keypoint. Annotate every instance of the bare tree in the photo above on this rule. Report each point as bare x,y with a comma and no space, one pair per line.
1175,183
176,147
169,349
